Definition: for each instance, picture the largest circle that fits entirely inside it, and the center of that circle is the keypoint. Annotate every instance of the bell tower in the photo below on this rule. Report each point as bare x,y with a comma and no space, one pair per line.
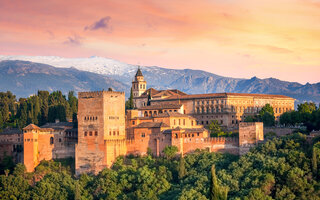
139,85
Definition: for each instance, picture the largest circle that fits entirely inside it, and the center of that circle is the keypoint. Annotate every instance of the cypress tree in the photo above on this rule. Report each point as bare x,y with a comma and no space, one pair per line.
182,168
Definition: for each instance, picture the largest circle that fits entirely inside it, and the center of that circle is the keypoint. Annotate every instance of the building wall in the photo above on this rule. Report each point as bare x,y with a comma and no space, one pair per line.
250,133
11,145
101,130
229,110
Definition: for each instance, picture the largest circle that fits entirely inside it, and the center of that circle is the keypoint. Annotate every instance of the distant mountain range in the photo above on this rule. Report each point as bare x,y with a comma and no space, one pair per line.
96,73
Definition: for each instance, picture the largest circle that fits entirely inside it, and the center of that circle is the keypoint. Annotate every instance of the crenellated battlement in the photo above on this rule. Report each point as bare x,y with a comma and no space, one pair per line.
221,139
95,94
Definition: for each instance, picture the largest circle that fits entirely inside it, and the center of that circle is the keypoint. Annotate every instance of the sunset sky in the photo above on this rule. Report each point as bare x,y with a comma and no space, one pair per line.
244,38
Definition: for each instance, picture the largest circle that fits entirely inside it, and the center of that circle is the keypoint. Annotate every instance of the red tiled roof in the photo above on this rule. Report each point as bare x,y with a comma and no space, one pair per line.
164,106
170,114
196,96
151,125
31,127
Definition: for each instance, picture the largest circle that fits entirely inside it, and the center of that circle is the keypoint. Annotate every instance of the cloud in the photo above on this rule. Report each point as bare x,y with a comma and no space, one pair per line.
103,23
74,40
272,49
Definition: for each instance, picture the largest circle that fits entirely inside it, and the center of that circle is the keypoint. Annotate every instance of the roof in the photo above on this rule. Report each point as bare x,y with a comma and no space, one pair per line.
151,125
164,106
171,114
58,125
159,93
10,131
198,96
31,126
186,130
139,73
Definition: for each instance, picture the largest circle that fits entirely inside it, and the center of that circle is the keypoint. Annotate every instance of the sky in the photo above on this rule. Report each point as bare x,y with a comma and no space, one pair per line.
241,39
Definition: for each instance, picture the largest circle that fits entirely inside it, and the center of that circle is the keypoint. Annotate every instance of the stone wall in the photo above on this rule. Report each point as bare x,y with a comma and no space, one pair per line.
101,130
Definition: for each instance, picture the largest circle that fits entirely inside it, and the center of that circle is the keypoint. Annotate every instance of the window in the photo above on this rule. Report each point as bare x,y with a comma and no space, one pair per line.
90,133
59,139
143,135
85,133
117,132
96,133
51,140
114,132
109,132
198,134
133,122
184,122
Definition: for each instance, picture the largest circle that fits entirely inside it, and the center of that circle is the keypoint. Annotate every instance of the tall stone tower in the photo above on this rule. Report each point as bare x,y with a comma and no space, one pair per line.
139,85
101,130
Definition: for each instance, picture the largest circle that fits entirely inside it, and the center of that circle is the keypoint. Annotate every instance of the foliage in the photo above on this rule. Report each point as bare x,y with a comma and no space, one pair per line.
266,115
216,130
37,109
282,168
308,115
170,151
129,102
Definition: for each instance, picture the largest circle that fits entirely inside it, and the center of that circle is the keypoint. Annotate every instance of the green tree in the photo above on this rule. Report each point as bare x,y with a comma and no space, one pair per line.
266,115
129,102
307,107
170,151
217,192
182,169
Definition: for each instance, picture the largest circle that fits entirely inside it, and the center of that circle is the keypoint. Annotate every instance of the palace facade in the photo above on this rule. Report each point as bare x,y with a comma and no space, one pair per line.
161,118
229,109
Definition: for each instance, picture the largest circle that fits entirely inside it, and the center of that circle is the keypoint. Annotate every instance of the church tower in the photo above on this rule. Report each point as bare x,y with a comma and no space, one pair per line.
139,85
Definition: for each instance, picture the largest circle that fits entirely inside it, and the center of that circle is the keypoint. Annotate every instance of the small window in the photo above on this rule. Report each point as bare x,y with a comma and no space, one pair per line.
143,135
96,118
85,118
114,132
85,133
51,140
117,132
96,133
90,133
133,122
110,133
59,139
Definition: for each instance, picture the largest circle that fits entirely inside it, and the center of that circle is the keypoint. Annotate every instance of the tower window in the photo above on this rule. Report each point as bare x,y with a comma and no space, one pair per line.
51,140
96,133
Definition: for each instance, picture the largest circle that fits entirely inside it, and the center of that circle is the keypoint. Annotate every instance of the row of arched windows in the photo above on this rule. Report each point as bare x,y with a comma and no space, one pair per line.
91,118
114,133
91,133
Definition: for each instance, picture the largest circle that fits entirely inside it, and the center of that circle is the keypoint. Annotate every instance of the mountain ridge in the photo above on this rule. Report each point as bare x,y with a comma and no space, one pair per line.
187,80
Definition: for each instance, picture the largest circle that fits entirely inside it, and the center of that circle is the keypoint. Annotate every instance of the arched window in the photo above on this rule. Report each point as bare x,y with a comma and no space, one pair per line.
51,140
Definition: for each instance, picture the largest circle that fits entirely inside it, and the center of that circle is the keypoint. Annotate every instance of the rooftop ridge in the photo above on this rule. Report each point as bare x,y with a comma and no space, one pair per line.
96,93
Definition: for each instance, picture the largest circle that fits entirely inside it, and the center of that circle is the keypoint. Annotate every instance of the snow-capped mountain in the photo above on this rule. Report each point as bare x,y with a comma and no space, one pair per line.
187,80
93,64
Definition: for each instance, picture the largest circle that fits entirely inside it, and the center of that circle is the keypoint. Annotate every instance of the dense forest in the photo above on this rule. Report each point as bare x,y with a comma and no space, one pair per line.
37,109
281,168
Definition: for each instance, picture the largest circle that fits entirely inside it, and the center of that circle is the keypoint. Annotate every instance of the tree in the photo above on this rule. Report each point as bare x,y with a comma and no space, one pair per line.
170,151
307,107
250,119
182,168
217,192
129,103
266,115
215,129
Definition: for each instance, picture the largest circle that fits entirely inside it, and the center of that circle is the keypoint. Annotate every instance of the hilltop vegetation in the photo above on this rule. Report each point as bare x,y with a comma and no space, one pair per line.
37,109
282,168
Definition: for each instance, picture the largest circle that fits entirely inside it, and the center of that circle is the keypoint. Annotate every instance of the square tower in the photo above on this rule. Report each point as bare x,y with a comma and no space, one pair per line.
101,130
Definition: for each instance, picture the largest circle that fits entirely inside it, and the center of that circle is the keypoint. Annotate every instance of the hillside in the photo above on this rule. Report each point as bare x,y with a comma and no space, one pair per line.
24,78
187,80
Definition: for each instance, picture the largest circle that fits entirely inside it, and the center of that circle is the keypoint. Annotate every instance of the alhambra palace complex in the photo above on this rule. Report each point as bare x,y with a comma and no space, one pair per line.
160,118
